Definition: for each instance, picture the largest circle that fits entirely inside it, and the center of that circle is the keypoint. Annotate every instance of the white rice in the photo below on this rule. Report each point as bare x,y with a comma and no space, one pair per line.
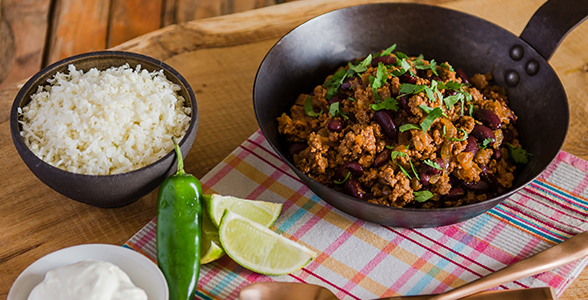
104,122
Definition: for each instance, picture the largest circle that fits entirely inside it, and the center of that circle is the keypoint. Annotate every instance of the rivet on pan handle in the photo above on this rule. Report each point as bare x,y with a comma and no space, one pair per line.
552,22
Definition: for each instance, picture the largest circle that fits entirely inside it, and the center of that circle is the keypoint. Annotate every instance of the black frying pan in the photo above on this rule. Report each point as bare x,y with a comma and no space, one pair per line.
306,55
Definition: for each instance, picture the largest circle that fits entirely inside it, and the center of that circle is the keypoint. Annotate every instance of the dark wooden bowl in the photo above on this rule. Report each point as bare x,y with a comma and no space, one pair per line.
103,190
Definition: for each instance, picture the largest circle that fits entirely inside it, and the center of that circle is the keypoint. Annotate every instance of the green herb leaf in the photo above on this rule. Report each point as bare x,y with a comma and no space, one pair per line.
422,196
404,66
518,154
334,83
431,117
465,135
451,100
407,88
388,103
335,110
378,81
395,154
362,66
433,164
343,181
419,64
485,143
447,66
388,50
401,55
406,127
309,110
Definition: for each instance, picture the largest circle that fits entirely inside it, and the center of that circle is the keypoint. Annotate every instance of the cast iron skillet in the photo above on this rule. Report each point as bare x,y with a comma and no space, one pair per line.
306,55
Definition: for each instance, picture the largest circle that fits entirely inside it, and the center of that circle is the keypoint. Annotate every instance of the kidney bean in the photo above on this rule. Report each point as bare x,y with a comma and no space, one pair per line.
295,148
507,136
403,101
461,74
479,186
387,60
450,92
382,158
354,167
335,99
422,74
497,154
335,125
485,170
353,188
482,133
472,145
407,78
488,118
425,178
426,169
385,121
346,84
454,194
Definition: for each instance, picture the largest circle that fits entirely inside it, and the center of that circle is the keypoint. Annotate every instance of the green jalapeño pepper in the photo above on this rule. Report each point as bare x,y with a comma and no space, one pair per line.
179,222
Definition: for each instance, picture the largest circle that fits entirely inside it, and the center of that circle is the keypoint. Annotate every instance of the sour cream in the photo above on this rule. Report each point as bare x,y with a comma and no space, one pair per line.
87,280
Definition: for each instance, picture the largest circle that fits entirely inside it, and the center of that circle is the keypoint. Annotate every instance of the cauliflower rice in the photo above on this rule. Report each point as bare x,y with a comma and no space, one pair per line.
104,122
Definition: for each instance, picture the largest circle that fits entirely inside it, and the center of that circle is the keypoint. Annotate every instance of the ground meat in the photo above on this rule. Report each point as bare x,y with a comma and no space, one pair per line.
430,144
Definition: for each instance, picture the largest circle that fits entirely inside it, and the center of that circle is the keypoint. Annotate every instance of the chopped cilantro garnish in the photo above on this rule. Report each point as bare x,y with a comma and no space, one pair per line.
451,100
485,143
335,110
420,65
378,81
433,114
465,135
422,196
407,88
343,181
401,55
395,154
350,98
388,103
406,127
309,110
518,154
433,164
447,66
388,50
404,66
361,67
334,83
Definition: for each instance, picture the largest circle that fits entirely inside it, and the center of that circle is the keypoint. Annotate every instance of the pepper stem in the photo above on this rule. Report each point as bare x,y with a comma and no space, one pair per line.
179,158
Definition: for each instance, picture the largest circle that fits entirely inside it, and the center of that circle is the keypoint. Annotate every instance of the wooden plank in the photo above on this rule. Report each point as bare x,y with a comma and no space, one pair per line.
77,27
23,25
132,18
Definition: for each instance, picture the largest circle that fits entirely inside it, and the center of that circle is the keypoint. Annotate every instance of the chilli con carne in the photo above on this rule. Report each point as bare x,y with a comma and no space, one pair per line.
406,132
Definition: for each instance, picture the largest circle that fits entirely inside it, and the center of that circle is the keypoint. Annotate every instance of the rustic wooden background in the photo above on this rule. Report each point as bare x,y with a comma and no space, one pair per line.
36,33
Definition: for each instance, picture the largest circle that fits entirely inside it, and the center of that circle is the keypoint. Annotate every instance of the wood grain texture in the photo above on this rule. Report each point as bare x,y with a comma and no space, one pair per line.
219,57
23,26
129,19
68,36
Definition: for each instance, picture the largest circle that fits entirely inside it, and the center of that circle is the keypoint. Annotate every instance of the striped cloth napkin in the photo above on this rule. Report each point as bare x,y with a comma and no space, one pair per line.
361,260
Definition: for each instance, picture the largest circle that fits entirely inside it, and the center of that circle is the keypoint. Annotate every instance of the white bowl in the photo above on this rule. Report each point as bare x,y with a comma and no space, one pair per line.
143,272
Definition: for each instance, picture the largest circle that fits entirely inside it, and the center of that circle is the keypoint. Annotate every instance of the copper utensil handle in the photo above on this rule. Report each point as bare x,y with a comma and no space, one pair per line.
556,256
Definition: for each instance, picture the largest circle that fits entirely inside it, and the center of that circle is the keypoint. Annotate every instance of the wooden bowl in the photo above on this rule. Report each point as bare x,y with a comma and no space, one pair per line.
103,190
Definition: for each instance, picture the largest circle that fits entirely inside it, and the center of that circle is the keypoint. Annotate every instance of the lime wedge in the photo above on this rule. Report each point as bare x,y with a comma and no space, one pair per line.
262,212
210,246
259,249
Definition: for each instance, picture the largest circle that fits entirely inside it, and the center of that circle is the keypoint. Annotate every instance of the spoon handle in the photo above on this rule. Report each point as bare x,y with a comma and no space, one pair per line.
556,256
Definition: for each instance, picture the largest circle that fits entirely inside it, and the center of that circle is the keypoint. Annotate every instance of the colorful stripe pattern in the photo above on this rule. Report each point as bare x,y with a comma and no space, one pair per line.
361,260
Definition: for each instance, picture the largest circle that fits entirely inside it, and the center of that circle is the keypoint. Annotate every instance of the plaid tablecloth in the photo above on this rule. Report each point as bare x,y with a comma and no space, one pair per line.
361,260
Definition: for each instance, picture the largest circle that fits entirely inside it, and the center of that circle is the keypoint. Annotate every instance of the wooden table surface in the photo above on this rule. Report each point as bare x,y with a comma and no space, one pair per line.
219,57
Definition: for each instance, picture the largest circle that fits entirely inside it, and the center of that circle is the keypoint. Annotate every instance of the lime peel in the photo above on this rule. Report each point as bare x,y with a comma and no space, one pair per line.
259,249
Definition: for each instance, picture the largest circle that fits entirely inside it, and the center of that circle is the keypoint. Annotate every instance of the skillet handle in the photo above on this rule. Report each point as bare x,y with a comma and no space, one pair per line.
552,22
